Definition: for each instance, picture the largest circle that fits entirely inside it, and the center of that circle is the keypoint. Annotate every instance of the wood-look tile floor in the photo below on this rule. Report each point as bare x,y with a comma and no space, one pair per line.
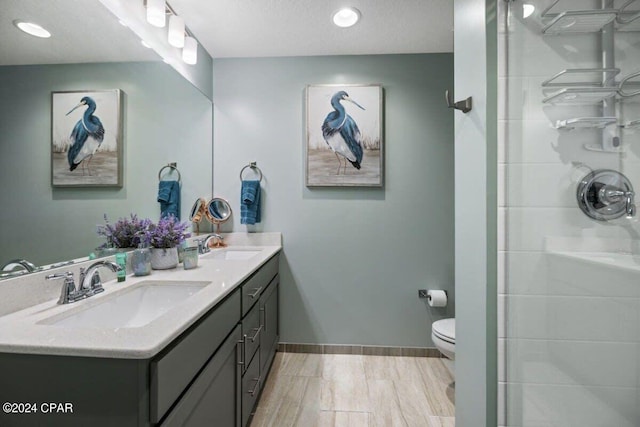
336,390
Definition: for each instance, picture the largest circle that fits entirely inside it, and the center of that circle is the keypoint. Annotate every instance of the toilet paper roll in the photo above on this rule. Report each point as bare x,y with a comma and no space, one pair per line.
436,298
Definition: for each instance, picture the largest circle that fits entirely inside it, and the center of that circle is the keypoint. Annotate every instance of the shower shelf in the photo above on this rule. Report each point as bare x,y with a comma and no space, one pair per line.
599,149
628,81
580,96
631,26
582,77
585,123
579,21
628,20
635,124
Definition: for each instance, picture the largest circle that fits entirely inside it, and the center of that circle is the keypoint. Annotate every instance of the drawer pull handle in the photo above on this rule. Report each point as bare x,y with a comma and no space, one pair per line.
255,388
253,338
256,292
241,354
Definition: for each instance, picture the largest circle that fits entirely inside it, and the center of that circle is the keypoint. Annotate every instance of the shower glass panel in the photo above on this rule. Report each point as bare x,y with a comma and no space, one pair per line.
569,292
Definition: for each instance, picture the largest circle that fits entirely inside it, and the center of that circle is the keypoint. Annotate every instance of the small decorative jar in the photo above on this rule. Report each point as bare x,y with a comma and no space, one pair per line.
164,258
190,258
181,249
141,261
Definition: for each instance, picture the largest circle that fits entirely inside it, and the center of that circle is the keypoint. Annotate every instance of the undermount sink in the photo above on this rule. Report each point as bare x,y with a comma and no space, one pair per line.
234,254
131,308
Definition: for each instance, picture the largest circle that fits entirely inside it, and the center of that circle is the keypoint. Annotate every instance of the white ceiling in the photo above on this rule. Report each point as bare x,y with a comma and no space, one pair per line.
258,28
85,31
82,31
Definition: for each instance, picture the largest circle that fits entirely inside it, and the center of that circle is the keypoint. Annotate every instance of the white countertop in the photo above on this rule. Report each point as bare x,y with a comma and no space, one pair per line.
22,332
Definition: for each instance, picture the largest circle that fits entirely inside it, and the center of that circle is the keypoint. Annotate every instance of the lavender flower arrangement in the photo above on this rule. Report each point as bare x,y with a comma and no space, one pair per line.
167,233
124,233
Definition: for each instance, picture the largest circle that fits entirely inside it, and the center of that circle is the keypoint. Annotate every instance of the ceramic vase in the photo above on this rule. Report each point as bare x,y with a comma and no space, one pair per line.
164,258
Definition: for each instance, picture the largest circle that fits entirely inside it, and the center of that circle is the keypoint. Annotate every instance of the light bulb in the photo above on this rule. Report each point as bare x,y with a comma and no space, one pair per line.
156,15
346,17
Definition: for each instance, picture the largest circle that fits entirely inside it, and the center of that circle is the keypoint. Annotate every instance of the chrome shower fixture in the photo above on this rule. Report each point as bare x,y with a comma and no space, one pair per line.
605,194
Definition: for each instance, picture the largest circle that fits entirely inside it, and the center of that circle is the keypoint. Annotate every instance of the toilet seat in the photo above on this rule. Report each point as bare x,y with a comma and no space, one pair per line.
443,335
445,329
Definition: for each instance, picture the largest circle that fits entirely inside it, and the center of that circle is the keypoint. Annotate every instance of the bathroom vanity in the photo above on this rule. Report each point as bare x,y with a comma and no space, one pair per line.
201,361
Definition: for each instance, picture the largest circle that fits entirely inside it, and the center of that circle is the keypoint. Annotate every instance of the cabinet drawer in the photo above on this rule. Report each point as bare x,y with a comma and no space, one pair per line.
250,389
173,371
251,333
254,286
213,398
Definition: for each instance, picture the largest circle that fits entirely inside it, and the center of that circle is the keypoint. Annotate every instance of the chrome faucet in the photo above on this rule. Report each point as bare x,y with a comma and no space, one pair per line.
90,283
203,244
605,195
68,291
28,266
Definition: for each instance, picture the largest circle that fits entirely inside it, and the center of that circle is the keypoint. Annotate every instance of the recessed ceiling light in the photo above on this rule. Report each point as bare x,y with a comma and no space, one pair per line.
346,17
527,10
32,29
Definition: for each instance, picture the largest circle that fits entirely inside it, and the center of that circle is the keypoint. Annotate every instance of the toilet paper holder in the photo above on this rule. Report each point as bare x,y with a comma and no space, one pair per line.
423,293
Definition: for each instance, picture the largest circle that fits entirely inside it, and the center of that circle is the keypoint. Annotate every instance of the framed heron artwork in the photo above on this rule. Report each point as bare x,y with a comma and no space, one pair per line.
344,137
86,138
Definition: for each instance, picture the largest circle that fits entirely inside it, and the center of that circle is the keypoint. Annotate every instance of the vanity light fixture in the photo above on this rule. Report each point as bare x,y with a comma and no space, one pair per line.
32,29
178,35
176,31
156,13
346,17
190,51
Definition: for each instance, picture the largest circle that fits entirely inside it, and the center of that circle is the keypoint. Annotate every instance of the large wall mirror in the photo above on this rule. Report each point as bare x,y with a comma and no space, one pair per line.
165,119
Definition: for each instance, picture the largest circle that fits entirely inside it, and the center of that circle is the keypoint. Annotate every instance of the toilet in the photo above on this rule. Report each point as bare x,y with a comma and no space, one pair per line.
443,334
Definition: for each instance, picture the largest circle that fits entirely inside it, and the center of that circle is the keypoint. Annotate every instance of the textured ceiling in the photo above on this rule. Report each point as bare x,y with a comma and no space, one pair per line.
82,31
255,28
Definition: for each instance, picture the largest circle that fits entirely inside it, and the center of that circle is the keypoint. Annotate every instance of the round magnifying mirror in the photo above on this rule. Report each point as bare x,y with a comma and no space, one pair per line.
197,210
218,211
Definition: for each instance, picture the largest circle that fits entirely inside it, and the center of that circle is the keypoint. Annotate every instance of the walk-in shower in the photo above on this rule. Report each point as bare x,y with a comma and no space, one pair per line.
569,249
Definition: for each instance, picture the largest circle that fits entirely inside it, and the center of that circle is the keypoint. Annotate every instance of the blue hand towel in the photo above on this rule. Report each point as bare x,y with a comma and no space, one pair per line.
250,202
169,198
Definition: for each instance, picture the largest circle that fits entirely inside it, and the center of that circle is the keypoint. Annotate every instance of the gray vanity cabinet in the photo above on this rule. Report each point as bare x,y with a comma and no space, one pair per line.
211,375
176,366
214,398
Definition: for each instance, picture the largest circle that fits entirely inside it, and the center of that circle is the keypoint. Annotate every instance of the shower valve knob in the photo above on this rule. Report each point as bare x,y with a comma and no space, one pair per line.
605,195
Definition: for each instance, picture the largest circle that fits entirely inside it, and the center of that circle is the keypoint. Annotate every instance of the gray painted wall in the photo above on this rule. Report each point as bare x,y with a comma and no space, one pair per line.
476,202
165,119
354,259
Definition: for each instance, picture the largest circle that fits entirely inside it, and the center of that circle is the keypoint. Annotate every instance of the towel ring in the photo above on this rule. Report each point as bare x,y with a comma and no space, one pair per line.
173,166
251,165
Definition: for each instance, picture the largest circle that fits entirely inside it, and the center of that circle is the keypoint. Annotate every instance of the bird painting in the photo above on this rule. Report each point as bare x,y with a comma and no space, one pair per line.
340,132
86,137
